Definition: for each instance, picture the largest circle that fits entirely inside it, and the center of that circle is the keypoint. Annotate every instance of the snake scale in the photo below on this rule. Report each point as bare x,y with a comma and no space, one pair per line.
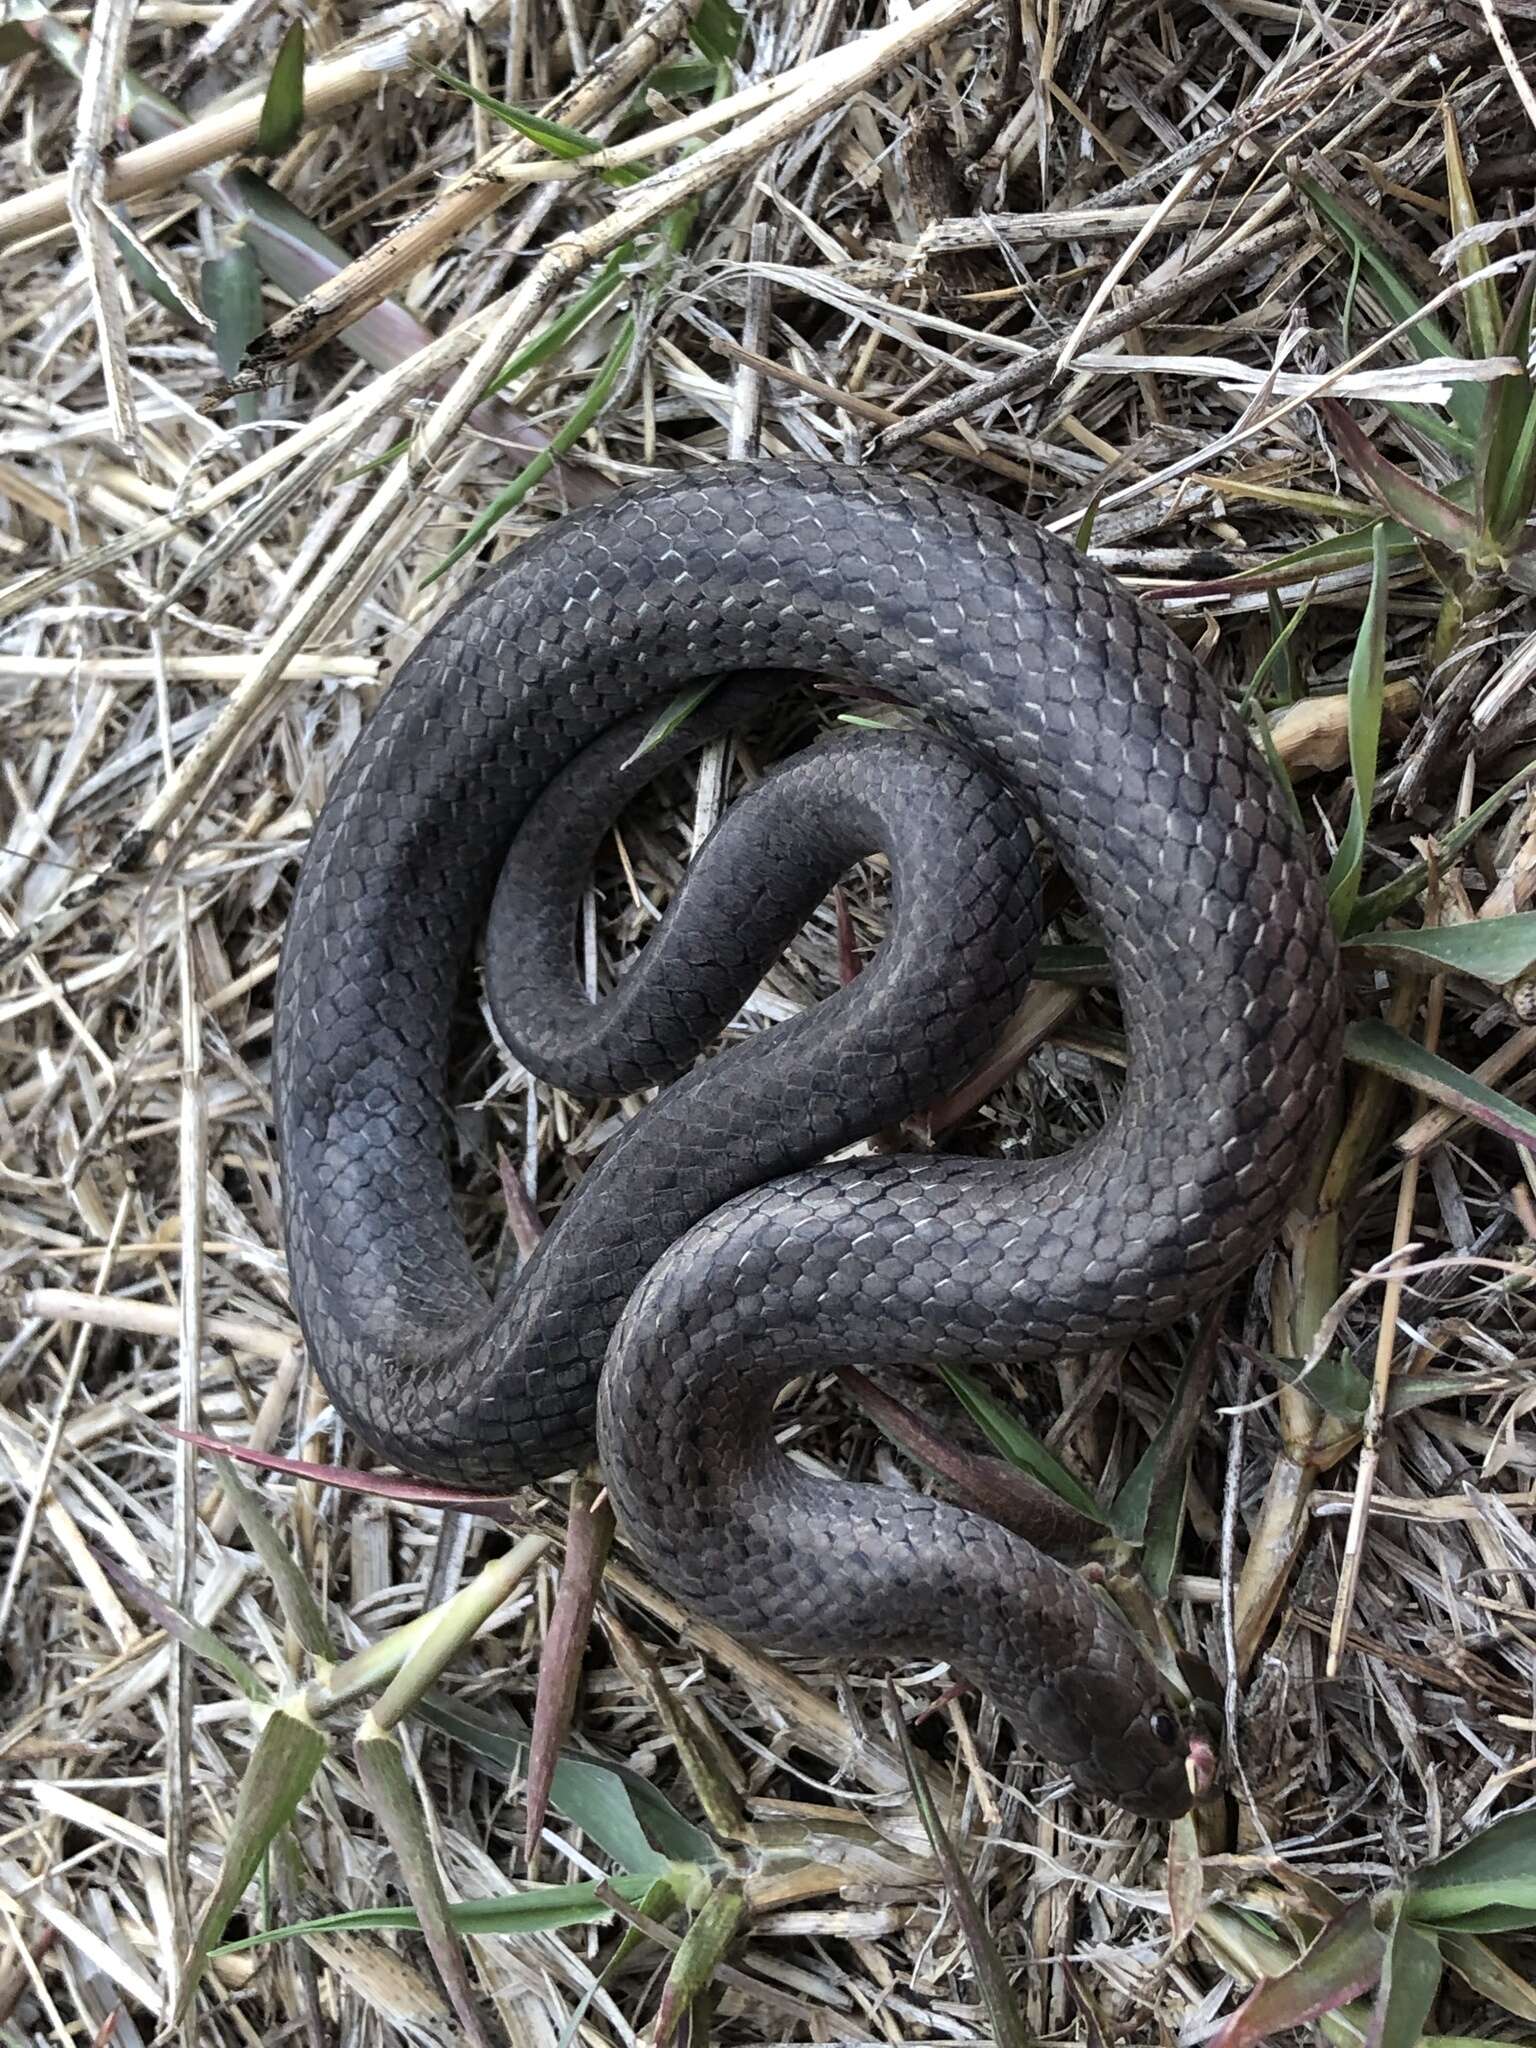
710,1256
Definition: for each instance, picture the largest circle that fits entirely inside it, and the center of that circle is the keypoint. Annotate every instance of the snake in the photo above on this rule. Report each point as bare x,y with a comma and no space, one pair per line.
736,1235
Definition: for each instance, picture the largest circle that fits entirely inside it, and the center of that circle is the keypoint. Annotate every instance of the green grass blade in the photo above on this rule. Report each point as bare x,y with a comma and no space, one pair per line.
1480,307
546,343
1505,471
715,31
1372,910
1489,1974
1008,2029
1367,681
1316,558
1427,338
1492,949
532,1912
192,1636
551,339
1410,1977
1432,426
672,717
229,287
1375,1045
702,1949
1278,655
300,1609
1019,1445
569,145
393,1797
597,394
1424,512
282,108
1496,1868
1279,771
1338,1388
623,1813
1345,1960
288,1752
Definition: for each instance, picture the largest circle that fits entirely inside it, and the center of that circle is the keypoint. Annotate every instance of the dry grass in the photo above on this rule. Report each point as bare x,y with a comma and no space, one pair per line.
1008,258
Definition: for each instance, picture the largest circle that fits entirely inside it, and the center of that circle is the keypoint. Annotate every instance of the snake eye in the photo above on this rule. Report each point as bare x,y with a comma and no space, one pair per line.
1165,1728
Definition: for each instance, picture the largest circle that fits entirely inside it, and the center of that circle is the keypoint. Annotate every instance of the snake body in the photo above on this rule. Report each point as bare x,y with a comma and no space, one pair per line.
708,1257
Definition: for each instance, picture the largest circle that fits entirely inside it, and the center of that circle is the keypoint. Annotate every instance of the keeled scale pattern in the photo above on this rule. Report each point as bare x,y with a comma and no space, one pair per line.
1159,806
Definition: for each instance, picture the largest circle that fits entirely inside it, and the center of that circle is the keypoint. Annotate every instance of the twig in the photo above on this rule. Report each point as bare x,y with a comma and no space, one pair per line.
369,540
105,57
329,87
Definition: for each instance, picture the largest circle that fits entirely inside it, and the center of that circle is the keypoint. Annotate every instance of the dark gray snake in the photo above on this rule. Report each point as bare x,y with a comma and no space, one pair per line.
708,1257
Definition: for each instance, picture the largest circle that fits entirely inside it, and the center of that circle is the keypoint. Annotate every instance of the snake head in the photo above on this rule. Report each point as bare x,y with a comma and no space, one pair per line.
1165,1766
1108,1720
1157,1767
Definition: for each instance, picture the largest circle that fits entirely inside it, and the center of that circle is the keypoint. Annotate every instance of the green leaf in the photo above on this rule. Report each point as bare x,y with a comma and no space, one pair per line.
1422,511
1493,949
1338,1388
1393,896
549,340
683,78
673,715
282,110
1496,1868
1410,1977
1317,558
192,1636
1488,1973
15,42
288,1752
1377,1046
1278,655
623,1813
1489,1919
1016,1443
1505,470
1502,449
1279,771
535,1911
392,1795
702,1949
659,1903
1431,426
1480,295
991,1487
144,273
569,145
716,31
1082,537
1344,1961
1425,336
300,1609
546,343
1512,507
1367,681
230,290
1418,1389
1128,1517
1008,2029
1086,964
598,392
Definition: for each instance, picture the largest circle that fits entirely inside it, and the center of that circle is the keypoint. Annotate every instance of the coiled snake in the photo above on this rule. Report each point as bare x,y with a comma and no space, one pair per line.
708,1257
